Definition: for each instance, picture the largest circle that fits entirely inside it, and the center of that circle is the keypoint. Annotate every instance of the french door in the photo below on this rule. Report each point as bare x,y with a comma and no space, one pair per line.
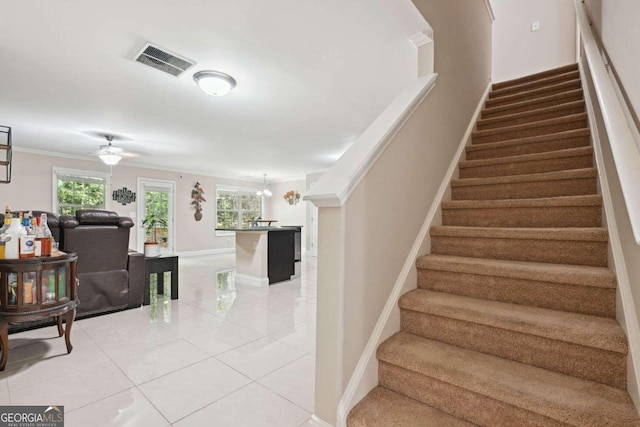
156,199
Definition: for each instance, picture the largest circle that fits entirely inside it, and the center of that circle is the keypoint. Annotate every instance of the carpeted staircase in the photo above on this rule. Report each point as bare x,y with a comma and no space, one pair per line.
513,322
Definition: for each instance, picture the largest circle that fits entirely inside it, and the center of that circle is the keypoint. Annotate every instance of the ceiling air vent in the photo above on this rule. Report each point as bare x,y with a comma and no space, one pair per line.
162,60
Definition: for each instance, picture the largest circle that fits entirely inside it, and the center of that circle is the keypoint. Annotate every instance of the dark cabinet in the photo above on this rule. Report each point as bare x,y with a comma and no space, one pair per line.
297,241
280,264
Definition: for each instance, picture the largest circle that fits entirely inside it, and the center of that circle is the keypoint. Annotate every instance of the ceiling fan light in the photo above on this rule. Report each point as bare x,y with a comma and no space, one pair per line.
214,83
110,159
110,154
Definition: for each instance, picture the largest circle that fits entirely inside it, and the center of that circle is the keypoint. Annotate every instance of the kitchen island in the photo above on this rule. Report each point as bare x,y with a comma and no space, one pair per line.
264,255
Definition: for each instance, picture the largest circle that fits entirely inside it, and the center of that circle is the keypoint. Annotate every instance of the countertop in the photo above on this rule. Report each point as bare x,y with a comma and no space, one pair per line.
256,229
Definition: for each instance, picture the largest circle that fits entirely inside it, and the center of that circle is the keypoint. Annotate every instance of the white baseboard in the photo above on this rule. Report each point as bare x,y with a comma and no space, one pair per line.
319,422
365,375
253,281
206,252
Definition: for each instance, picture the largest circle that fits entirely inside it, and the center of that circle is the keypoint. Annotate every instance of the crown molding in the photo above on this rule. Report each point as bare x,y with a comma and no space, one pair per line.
420,39
123,162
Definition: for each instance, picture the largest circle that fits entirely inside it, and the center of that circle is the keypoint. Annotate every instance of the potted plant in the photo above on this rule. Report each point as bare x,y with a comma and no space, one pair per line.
151,225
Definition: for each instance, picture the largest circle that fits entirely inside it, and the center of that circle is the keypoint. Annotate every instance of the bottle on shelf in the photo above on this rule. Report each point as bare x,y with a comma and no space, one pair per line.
37,230
12,246
46,237
27,239
27,296
4,228
27,223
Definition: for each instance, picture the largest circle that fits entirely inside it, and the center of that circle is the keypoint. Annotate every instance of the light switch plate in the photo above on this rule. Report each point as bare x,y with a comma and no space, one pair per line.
535,26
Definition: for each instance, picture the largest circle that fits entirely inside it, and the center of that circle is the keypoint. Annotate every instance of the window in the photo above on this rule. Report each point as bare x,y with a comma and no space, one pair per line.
237,207
78,189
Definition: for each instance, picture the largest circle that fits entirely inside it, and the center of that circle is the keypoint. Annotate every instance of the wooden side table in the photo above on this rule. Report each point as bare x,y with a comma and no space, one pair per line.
35,289
158,266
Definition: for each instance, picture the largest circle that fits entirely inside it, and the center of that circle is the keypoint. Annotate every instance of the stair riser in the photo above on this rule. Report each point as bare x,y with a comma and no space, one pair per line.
535,84
458,401
565,216
529,148
535,77
552,251
489,113
382,407
590,300
529,118
530,131
589,363
526,190
532,95
529,167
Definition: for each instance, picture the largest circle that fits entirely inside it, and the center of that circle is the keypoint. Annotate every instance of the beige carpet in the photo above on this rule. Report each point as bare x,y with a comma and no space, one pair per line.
513,322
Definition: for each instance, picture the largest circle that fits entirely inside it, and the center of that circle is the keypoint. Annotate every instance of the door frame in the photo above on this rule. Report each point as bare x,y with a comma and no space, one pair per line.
157,183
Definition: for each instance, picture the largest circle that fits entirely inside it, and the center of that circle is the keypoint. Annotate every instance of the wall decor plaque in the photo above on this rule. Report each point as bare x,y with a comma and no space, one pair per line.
124,196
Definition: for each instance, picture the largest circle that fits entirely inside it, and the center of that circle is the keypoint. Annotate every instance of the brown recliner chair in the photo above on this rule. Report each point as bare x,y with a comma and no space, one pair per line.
111,278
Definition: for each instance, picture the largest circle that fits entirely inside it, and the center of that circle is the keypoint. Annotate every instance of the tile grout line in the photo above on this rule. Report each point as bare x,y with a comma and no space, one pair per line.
284,298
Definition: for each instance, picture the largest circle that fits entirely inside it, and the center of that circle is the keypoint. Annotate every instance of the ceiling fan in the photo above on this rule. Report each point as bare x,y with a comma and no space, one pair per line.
109,153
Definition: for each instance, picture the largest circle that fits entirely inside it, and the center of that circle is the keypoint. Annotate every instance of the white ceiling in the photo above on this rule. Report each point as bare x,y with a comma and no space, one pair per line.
312,75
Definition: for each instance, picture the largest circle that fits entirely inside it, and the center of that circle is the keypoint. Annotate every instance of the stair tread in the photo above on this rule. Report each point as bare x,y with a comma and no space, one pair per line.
557,154
538,271
542,325
531,113
568,75
530,125
593,234
561,397
532,92
383,407
565,201
541,100
589,331
536,76
534,177
530,140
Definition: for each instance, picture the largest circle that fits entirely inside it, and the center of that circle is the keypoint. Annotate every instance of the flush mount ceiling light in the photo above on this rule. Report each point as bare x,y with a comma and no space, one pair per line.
109,154
265,191
214,83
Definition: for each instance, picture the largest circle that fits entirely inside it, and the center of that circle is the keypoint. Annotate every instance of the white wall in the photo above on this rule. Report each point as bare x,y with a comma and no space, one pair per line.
365,242
31,188
616,23
517,51
627,310
276,207
311,209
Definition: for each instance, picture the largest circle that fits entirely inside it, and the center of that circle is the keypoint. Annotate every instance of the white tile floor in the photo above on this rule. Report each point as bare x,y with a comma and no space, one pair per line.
224,354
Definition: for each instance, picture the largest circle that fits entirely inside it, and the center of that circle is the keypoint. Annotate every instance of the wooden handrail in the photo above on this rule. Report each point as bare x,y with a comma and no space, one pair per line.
626,153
